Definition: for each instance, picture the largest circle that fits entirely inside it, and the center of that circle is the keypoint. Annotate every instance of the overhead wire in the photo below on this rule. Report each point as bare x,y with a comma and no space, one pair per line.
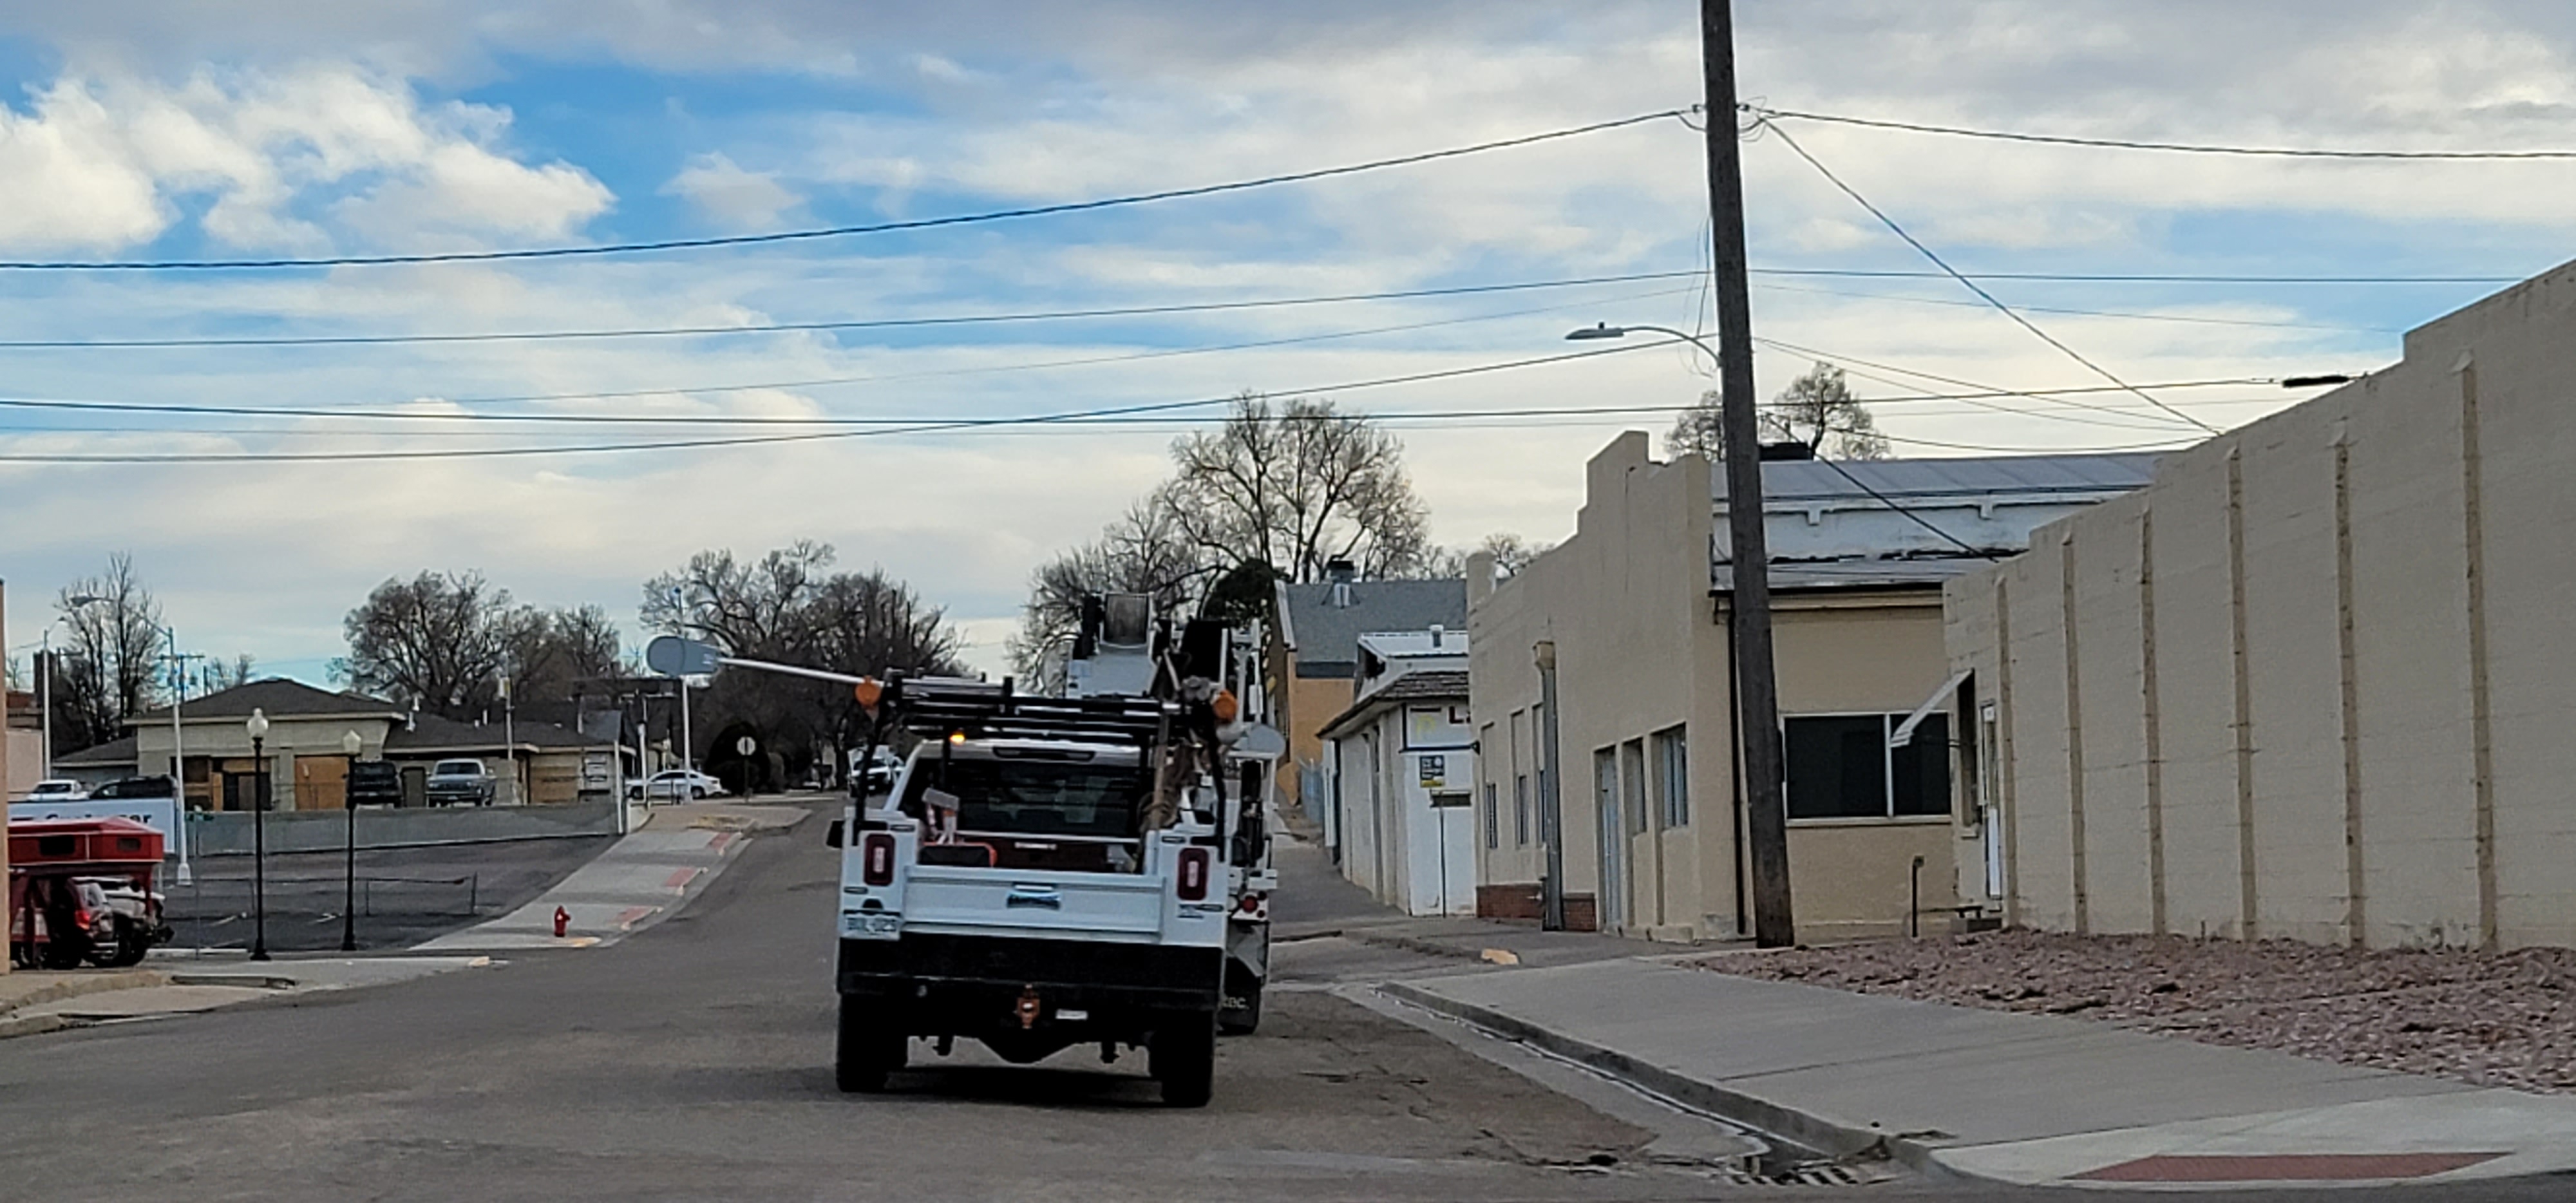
843,231
2122,277
1972,286
801,437
790,420
2191,319
1766,113
331,340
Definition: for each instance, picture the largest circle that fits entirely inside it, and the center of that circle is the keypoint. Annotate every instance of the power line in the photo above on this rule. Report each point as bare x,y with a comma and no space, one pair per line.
1812,355
926,223
332,340
611,419
1973,286
2141,317
2197,148
2125,278
805,437
2169,445
775,420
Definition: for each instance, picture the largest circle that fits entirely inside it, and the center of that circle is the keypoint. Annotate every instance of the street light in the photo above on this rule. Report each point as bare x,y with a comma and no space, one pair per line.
258,726
1602,330
350,743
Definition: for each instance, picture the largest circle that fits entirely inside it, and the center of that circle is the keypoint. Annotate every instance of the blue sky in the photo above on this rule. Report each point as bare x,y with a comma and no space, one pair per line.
301,128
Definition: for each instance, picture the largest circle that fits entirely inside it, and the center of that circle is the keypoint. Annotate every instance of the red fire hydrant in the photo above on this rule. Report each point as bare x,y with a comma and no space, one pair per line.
562,918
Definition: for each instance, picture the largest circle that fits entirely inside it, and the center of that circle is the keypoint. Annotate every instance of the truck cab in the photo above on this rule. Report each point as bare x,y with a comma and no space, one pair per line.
1045,873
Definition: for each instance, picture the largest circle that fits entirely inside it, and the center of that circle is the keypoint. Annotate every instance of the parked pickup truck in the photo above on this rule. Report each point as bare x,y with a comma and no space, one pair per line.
459,783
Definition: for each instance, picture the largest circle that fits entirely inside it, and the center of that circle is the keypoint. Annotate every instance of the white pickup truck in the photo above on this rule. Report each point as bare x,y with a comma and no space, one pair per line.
1017,887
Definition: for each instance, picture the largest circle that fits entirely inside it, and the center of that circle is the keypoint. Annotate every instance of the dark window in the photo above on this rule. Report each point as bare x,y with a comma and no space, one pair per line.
1838,767
1493,818
1922,768
1036,797
1520,810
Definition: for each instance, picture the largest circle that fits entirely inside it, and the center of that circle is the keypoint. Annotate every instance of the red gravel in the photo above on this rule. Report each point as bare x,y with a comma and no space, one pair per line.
2495,1019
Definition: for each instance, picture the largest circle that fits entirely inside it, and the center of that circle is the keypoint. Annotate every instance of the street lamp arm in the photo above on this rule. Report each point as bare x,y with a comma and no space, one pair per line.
1605,330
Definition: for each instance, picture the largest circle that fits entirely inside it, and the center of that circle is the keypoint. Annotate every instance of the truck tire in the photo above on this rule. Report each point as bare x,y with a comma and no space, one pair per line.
1243,988
133,942
869,1048
1183,1058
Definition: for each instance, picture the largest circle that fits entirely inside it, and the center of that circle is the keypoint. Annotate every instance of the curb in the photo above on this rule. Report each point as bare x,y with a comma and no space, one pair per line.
1833,1137
32,1025
74,987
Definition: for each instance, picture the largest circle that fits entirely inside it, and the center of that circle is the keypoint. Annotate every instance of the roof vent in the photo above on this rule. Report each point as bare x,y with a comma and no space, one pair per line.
1436,632
1341,573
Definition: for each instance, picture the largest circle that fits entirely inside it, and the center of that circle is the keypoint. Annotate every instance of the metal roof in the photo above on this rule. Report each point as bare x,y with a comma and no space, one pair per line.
1330,634
1799,484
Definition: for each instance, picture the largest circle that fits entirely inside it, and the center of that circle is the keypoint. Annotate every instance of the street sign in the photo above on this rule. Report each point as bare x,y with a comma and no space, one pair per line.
673,656
745,745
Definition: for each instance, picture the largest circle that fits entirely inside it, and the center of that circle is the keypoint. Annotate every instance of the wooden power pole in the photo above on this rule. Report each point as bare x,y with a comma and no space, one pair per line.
1749,617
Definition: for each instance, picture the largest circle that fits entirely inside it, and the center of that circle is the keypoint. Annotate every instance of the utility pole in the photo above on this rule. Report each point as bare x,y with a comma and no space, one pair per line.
1749,554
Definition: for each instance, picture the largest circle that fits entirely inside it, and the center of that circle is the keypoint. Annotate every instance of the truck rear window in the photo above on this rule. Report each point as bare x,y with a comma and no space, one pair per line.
1036,797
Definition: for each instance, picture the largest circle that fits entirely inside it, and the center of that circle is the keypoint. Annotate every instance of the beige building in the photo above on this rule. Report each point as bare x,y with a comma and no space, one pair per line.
2314,682
1636,607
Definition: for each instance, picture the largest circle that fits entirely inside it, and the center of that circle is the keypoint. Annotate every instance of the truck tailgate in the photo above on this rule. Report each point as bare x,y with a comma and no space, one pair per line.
996,901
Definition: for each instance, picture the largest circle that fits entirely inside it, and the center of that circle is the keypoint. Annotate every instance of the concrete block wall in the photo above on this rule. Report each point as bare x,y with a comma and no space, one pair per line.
2314,681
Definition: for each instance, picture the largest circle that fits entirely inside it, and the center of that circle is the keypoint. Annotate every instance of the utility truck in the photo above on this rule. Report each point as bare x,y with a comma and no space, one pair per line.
1051,872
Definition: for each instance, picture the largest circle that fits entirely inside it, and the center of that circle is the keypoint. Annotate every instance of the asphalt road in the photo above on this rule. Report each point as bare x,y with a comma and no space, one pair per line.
691,1062
405,895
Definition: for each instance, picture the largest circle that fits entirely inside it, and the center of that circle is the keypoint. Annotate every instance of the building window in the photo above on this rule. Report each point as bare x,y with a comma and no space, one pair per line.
1840,767
1493,820
1520,810
1672,775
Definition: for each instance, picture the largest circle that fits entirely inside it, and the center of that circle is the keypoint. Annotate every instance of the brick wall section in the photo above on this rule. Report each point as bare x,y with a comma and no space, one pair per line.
1521,901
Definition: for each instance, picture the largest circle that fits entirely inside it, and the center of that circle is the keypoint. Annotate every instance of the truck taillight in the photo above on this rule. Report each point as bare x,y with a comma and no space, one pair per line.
1194,874
876,859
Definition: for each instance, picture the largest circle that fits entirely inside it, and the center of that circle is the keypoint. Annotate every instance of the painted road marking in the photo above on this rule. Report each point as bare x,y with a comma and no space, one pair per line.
626,918
680,879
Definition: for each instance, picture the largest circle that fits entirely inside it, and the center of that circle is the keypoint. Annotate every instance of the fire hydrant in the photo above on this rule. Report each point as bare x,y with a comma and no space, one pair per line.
562,919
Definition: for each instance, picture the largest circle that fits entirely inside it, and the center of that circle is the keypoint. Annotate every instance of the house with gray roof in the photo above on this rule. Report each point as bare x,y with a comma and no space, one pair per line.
1315,658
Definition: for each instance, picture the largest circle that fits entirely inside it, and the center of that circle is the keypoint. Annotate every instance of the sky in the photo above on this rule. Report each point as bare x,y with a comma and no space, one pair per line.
301,128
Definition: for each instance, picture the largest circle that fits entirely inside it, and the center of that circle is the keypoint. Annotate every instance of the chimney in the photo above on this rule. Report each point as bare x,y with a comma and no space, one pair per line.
1436,631
1341,573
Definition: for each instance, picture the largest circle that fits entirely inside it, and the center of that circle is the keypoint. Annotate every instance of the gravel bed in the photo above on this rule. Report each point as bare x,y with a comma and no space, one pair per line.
2494,1019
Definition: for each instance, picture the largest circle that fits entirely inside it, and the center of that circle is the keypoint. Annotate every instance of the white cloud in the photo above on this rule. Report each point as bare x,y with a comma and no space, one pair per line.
298,159
733,198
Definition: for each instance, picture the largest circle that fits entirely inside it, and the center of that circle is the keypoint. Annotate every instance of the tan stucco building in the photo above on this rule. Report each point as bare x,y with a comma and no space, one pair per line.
2315,682
1636,607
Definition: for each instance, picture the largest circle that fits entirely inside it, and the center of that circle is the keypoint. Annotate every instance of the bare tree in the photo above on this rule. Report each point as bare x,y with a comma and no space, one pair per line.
108,669
550,652
1510,551
1817,409
1297,485
222,675
439,640
1146,551
787,606
748,606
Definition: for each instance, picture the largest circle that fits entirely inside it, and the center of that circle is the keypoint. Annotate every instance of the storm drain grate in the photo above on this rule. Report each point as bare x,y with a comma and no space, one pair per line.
1824,1174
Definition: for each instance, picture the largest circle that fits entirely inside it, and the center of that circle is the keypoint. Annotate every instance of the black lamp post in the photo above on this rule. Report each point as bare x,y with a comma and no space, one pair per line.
259,834
350,743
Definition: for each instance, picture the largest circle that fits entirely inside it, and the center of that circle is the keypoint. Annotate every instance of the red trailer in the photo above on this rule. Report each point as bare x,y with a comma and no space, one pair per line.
81,890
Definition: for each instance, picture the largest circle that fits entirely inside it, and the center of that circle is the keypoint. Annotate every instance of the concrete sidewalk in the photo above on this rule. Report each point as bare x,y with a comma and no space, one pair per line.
640,881
188,983
2022,1099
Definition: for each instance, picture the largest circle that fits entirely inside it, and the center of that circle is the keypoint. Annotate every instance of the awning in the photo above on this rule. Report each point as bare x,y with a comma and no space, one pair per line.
1904,732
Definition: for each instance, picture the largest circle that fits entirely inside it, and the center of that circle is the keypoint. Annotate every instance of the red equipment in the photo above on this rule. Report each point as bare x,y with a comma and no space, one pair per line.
67,878
563,919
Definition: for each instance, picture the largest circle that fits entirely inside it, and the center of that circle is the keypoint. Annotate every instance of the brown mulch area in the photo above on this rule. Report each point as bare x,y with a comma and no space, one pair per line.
2494,1019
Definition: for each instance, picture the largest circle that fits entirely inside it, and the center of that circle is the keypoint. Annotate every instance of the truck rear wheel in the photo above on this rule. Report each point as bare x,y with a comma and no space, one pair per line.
869,1048
1183,1058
